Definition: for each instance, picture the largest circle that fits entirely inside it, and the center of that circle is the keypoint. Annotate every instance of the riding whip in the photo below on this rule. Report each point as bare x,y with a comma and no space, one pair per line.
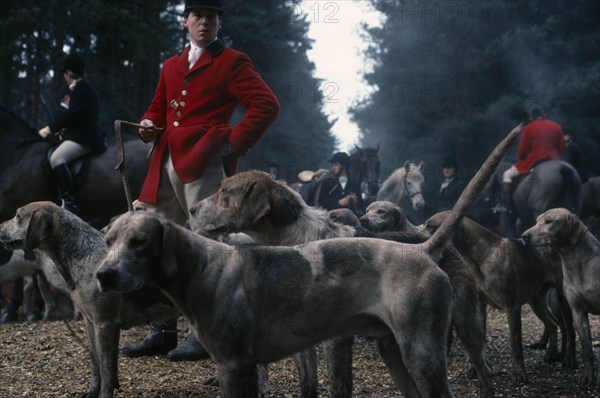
121,155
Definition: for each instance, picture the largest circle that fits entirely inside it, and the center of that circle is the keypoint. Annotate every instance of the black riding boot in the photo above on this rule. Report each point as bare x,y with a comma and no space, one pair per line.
161,340
67,188
189,350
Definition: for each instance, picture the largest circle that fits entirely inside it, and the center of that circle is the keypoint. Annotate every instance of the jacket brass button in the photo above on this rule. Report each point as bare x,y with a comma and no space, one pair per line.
182,103
178,113
184,93
175,123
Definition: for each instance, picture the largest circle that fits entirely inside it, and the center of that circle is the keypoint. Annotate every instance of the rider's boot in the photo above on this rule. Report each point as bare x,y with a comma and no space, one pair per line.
161,340
67,188
189,350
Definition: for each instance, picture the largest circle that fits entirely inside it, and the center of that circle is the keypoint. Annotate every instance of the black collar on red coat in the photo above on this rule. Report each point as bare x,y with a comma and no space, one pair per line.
216,48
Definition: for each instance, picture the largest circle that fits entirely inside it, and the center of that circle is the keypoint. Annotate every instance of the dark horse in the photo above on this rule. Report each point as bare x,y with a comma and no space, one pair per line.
550,184
26,176
364,167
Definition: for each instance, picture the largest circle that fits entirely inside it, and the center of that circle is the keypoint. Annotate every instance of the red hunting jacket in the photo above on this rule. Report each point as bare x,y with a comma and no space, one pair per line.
195,106
541,140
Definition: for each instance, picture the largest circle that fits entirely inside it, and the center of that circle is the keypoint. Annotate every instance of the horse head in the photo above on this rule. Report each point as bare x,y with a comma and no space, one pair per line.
413,180
364,167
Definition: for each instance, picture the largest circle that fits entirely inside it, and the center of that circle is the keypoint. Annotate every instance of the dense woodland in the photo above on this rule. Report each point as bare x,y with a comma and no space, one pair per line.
449,77
453,77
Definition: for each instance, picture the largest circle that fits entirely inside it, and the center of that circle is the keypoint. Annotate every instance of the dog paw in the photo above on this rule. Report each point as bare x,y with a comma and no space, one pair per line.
211,381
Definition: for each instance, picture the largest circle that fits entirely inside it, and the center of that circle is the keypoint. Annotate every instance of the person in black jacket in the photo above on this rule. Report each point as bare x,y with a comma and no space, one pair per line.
338,190
451,186
79,126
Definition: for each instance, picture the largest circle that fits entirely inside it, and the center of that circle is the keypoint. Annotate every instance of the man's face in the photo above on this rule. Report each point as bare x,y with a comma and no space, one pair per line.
448,172
336,168
203,26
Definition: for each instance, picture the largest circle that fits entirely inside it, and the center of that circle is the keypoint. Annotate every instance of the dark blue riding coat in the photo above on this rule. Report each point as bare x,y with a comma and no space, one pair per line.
80,121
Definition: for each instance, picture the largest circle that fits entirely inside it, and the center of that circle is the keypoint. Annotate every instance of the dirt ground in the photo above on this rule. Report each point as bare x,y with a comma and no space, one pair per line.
45,360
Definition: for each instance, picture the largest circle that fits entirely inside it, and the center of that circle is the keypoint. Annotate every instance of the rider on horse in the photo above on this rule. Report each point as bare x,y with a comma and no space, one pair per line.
80,123
542,139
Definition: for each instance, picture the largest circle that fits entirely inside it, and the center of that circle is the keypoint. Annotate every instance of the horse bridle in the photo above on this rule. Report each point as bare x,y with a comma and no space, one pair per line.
410,195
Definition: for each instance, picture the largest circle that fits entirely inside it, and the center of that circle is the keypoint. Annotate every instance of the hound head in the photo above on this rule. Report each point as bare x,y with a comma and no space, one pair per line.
138,252
557,227
31,227
434,222
344,216
382,216
243,203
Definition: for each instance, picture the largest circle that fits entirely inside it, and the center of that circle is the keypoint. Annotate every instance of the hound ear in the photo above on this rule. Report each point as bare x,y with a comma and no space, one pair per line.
168,258
399,219
256,204
407,166
576,228
286,206
421,166
37,230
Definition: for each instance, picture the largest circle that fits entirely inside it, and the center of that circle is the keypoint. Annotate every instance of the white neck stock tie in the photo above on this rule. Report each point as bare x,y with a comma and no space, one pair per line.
194,55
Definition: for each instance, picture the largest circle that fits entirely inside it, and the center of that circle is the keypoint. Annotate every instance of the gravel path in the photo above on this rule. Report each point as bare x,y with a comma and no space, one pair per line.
44,360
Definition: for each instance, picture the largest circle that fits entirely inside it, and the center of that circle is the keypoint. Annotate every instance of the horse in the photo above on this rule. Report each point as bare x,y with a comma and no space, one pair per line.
550,184
404,182
364,167
26,176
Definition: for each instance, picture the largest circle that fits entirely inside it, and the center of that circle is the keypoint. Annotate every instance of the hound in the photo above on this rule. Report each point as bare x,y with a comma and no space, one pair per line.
384,215
509,274
580,254
77,250
259,304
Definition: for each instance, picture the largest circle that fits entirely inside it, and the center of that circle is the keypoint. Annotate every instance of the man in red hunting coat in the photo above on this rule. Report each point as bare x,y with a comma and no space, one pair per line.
195,146
542,139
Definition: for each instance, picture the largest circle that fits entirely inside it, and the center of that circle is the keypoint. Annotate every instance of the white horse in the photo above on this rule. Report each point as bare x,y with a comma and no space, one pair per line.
404,182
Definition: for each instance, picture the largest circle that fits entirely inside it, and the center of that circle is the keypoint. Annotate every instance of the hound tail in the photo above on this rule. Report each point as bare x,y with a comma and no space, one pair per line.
436,244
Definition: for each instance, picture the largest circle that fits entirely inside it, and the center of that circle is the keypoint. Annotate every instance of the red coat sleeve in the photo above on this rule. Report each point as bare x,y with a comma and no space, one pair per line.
262,107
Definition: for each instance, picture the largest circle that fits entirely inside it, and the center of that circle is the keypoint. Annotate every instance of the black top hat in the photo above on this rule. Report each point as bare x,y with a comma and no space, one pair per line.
450,161
73,63
536,112
210,4
341,158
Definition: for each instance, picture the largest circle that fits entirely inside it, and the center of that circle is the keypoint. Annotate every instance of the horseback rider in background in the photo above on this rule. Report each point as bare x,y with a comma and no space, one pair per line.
542,139
79,123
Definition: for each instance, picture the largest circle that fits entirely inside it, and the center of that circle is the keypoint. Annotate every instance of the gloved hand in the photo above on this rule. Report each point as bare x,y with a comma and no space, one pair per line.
226,150
150,132
45,132
230,163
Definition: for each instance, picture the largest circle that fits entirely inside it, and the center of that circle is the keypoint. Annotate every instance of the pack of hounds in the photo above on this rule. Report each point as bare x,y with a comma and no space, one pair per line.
316,277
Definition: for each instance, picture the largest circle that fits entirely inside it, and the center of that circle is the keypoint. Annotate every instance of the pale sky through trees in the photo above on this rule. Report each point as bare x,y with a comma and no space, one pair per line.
336,28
